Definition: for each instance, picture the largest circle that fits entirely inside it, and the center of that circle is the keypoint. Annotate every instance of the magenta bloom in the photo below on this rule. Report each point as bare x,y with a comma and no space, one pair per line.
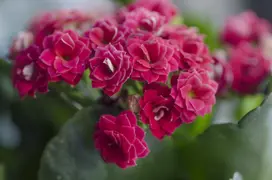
249,68
64,56
20,43
191,51
120,140
143,19
194,94
179,33
151,56
27,77
105,32
164,7
222,72
244,27
47,23
157,109
110,68
194,53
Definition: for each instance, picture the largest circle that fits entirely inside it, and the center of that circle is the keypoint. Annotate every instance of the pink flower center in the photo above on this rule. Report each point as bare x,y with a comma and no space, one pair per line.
159,112
109,64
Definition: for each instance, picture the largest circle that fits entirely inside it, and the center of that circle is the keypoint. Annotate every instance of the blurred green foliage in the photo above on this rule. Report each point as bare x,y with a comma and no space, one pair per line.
218,153
37,120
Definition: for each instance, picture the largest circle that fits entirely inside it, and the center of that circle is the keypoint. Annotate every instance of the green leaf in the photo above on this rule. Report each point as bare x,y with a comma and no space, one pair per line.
160,164
2,172
249,103
228,148
71,155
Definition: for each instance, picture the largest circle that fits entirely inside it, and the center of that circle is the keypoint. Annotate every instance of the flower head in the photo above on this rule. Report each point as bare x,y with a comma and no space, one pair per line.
64,56
27,77
105,32
194,53
249,68
164,7
143,19
120,140
20,43
110,68
245,27
151,56
47,23
221,73
194,94
190,49
157,109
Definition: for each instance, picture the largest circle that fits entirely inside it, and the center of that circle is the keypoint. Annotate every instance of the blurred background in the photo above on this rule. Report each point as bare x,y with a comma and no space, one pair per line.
26,127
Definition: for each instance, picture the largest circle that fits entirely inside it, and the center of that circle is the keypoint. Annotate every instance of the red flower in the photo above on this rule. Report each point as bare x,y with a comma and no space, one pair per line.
143,19
194,53
179,33
120,140
27,77
194,94
157,109
47,23
191,51
244,27
222,72
151,56
105,32
249,67
110,68
64,56
20,43
163,7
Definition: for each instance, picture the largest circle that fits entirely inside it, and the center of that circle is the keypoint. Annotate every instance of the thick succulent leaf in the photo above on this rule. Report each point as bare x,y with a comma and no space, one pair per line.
2,172
70,155
160,164
228,148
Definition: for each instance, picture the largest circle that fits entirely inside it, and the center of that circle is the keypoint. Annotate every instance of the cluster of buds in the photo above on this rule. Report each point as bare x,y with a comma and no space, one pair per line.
246,62
139,43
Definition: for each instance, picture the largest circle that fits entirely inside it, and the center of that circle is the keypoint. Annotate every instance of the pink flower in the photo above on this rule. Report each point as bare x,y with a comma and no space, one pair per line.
143,19
110,68
194,94
105,32
151,56
20,43
64,56
120,140
244,27
191,51
47,23
194,53
76,20
157,109
222,72
27,77
163,7
249,68
179,33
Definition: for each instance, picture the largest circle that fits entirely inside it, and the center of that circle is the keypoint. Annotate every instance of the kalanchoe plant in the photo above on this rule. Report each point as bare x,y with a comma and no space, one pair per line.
159,75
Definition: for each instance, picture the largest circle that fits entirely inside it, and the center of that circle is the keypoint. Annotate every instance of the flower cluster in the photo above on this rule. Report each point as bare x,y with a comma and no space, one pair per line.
51,50
245,64
139,43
